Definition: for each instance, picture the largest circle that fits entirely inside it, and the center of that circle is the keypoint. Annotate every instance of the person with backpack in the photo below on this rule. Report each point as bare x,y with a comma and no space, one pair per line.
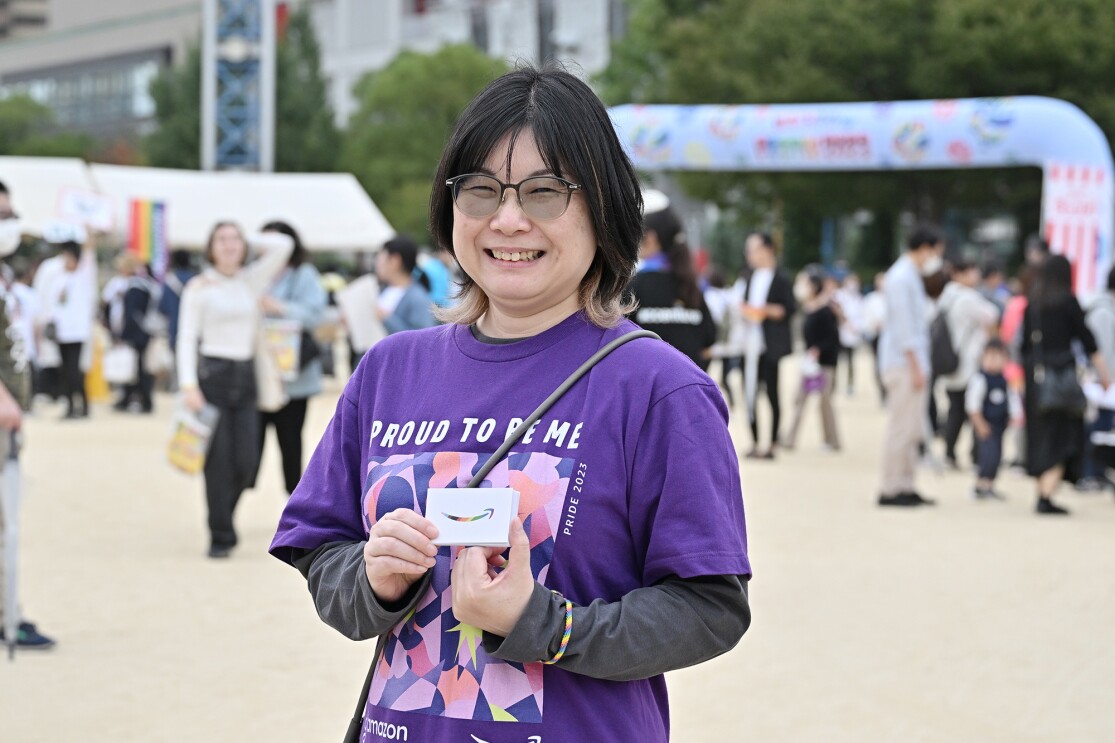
170,298
970,321
128,314
904,365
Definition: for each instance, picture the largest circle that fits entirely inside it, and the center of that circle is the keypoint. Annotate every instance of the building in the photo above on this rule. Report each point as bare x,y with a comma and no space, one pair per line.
20,18
91,61
359,36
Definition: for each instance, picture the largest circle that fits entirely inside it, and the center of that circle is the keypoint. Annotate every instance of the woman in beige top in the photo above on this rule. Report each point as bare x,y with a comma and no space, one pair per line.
217,339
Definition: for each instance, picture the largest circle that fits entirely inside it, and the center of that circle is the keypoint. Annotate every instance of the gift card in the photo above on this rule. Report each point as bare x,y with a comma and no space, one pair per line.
472,517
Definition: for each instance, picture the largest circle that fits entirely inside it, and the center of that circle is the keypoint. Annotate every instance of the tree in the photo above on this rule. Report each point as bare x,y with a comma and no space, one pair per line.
789,51
176,143
28,128
306,139
406,112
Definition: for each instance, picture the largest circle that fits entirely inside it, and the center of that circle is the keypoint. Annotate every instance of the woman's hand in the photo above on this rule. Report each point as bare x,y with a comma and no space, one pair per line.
398,553
194,400
271,306
493,601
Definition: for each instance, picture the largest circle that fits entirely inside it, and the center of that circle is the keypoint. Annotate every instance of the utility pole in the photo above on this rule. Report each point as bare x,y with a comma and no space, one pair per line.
238,85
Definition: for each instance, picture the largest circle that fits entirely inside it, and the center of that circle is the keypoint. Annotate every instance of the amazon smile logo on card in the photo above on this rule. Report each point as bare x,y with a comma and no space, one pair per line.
472,517
488,513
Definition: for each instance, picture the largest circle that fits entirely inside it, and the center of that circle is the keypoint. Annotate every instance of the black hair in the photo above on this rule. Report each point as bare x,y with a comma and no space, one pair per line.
406,249
667,227
1111,280
923,235
962,265
4,188
816,275
990,268
1053,283
576,140
300,255
764,238
995,344
180,258
70,248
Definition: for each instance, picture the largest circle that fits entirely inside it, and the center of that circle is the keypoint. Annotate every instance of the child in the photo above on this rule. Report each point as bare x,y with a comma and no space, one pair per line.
821,331
990,406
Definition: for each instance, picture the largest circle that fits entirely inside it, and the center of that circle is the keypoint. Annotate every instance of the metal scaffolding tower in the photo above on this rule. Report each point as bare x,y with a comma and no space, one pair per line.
238,85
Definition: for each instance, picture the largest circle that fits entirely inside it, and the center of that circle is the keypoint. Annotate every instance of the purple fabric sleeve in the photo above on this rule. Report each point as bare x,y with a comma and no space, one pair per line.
325,507
685,501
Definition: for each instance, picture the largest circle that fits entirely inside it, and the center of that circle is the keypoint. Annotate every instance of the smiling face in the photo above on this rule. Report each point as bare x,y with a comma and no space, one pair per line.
530,270
227,249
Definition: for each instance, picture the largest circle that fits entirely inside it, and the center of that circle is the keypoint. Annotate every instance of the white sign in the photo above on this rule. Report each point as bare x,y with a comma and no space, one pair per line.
88,208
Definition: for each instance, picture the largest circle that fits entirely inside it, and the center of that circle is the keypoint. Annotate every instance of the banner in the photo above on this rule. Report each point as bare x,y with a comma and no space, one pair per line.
147,235
902,135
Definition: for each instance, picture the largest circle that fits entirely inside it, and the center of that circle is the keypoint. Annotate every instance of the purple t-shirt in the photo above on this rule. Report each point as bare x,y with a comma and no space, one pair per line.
629,478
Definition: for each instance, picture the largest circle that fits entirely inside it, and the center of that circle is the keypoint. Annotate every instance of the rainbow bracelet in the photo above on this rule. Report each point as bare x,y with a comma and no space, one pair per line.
566,634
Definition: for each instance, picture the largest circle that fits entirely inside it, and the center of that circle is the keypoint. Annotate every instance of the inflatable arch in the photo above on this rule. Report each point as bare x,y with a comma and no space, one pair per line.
1078,200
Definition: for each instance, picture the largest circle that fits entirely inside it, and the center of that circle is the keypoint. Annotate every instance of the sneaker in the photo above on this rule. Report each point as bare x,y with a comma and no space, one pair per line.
28,637
1049,508
219,552
978,494
993,494
1090,485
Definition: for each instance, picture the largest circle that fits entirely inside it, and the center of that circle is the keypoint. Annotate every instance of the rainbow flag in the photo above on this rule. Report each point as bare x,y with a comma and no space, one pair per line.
147,235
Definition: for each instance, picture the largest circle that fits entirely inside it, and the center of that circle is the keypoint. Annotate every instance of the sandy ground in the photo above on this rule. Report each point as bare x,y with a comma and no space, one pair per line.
967,622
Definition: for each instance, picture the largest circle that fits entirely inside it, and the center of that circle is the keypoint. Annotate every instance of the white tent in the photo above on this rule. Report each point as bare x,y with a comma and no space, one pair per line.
330,210
43,188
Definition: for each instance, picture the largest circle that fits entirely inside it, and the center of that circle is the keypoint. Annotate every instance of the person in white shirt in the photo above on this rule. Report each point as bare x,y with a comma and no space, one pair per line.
874,318
217,340
904,364
73,307
972,321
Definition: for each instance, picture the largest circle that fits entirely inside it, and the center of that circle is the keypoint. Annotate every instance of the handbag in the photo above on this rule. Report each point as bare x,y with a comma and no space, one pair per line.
1058,389
120,364
352,735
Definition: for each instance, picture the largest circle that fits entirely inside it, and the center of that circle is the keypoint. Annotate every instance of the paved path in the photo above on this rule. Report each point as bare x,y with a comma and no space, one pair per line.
968,622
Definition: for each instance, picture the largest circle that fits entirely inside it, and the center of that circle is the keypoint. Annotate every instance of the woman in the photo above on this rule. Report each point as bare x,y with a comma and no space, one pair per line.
127,308
404,303
633,519
821,332
296,295
670,301
1052,323
73,303
218,333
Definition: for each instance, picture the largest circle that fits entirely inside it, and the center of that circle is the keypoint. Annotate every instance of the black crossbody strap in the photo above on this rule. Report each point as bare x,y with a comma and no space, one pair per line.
353,733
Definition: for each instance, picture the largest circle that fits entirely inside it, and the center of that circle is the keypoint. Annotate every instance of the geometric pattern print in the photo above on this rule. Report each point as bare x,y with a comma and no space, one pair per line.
433,664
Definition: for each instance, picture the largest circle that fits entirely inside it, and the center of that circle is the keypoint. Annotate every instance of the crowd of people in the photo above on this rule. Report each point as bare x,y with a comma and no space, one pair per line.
526,288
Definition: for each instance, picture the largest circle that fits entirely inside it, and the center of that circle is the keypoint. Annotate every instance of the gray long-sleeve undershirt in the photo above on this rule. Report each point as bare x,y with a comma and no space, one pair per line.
676,623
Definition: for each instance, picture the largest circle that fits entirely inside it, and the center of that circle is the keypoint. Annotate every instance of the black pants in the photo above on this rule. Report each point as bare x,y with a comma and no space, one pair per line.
727,364
233,451
143,386
875,366
288,422
989,451
73,378
768,379
954,424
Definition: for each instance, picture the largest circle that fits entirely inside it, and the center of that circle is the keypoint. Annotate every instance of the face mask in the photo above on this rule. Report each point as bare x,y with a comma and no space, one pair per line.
9,236
802,292
932,265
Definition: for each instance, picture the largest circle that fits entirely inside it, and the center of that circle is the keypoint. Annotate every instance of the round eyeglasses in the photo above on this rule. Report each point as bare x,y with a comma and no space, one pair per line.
541,197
